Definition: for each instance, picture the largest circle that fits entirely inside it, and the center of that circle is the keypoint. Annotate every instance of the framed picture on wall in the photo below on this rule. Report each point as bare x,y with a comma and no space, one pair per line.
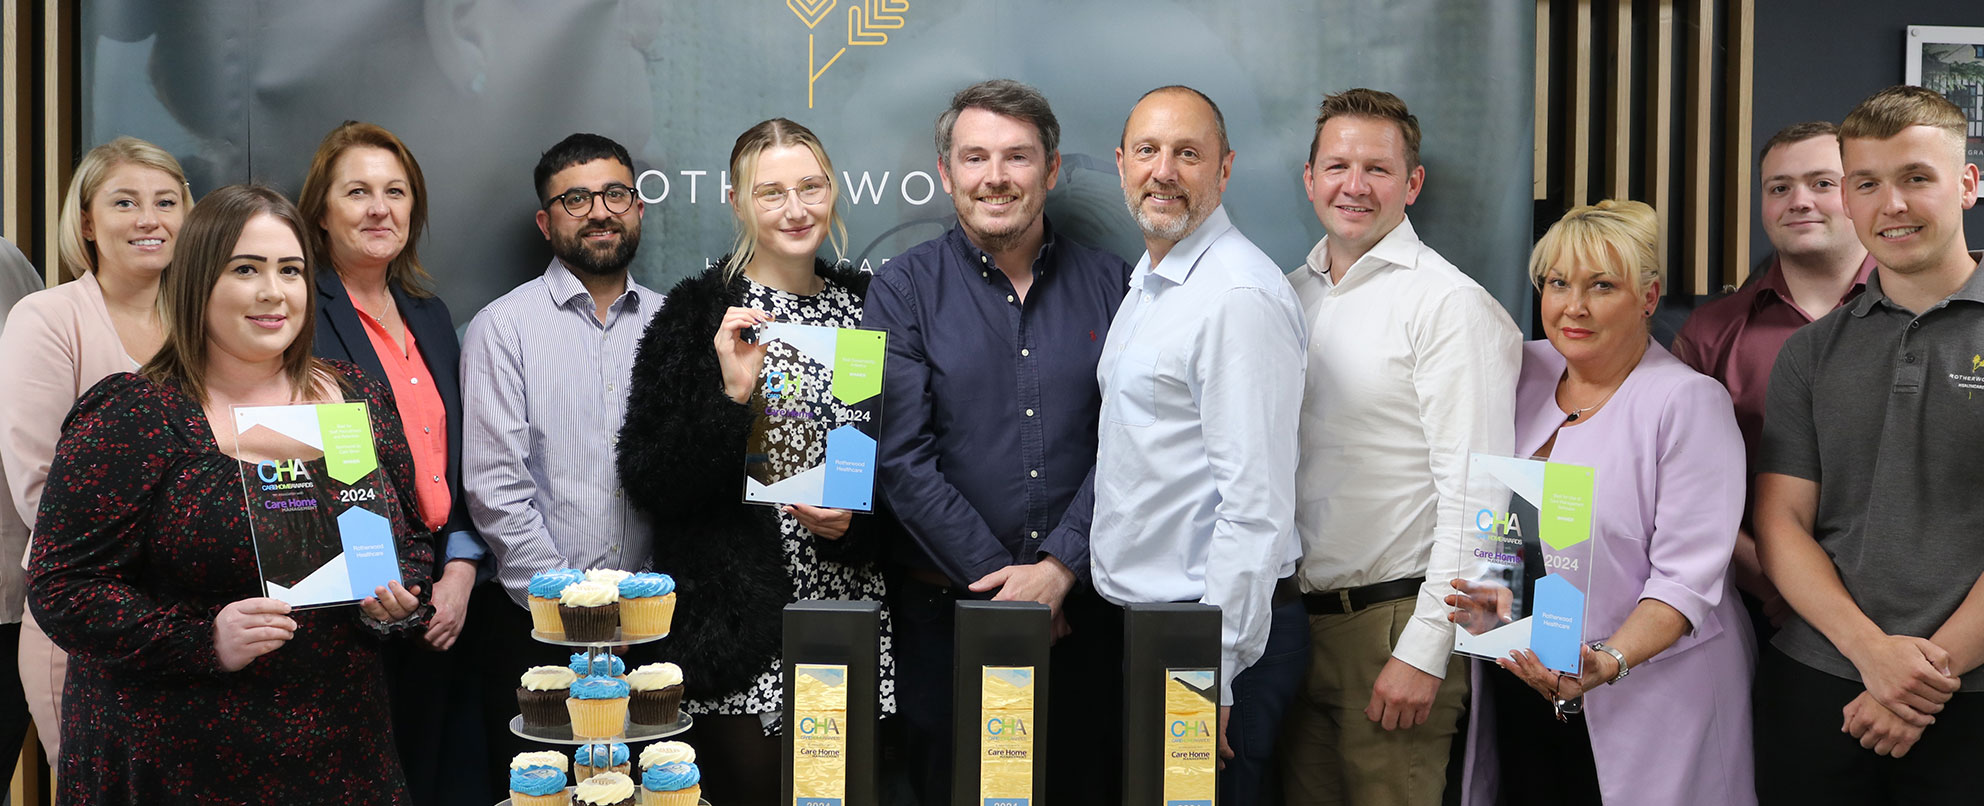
1950,60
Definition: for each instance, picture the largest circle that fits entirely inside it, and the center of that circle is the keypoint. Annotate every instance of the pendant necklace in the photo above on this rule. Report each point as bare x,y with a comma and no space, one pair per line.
1576,413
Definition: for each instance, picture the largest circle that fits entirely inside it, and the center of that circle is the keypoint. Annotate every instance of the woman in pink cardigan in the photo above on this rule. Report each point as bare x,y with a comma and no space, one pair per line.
116,233
1665,693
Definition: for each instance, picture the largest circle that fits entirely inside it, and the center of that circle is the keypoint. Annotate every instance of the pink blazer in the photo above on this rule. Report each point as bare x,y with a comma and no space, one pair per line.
1668,503
57,344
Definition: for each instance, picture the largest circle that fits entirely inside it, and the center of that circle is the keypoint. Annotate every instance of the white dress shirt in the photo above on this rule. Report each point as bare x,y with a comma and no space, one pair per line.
544,390
1412,366
1195,474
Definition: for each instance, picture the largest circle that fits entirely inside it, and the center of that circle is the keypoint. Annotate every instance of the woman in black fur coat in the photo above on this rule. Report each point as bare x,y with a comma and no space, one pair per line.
695,396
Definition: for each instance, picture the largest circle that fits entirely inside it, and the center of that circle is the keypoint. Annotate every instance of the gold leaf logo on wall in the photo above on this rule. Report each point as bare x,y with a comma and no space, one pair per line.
868,24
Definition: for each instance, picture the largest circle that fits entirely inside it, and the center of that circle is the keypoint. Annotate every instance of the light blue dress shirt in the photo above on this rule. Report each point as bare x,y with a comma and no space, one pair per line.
1195,475
544,389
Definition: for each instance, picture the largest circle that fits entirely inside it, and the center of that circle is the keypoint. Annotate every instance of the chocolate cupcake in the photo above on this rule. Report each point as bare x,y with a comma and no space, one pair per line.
542,695
605,789
590,611
657,694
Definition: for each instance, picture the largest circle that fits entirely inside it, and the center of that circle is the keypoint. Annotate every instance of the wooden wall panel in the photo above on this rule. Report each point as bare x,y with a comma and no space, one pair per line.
1736,131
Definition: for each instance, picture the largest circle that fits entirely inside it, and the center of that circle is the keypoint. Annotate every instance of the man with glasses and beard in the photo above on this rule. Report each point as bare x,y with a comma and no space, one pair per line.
544,390
988,433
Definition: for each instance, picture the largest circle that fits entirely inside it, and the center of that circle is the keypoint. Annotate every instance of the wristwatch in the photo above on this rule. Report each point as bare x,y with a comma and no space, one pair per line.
1600,646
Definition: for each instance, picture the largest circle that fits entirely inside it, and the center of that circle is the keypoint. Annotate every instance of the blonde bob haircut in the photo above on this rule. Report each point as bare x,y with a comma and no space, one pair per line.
744,177
1614,238
78,254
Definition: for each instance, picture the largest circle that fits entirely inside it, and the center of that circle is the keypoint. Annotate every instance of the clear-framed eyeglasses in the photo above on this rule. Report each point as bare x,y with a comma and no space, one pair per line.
811,190
578,201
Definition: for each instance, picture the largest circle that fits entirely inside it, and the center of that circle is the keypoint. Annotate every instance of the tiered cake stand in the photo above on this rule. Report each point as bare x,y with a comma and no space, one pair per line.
632,732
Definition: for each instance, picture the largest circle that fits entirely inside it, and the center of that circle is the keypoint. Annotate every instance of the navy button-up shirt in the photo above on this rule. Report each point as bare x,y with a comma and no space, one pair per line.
988,427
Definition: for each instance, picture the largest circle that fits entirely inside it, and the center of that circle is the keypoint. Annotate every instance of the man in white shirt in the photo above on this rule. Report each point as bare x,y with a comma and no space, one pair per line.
1201,378
1411,366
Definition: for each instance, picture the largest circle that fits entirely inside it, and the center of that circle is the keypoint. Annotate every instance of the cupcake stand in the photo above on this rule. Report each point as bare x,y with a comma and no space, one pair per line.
596,653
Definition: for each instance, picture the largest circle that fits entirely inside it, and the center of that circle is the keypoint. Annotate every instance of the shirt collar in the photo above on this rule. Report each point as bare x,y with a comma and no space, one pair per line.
1773,281
1400,248
1972,289
565,287
1177,264
1042,262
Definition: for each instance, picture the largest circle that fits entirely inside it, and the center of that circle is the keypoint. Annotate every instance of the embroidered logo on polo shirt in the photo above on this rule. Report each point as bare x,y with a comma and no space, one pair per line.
1973,383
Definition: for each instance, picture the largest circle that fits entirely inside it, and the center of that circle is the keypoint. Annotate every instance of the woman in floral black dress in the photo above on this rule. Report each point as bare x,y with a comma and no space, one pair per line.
692,403
185,686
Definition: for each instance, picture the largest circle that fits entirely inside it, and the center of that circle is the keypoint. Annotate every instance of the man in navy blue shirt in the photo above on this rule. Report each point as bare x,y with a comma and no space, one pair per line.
989,432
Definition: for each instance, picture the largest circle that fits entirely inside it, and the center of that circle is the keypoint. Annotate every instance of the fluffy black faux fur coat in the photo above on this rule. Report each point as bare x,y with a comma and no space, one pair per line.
681,458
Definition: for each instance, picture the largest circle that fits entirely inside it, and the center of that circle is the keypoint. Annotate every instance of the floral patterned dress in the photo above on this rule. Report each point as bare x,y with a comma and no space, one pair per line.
142,539
803,443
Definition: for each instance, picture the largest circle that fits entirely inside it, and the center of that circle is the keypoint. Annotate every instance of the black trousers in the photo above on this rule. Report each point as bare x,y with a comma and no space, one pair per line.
438,721
13,702
1804,758
1084,753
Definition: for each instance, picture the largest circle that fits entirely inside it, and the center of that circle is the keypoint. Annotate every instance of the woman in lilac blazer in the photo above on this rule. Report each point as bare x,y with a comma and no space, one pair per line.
1667,719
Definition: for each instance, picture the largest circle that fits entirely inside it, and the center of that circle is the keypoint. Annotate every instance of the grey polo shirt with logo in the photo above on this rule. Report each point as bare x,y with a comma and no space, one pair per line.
1884,409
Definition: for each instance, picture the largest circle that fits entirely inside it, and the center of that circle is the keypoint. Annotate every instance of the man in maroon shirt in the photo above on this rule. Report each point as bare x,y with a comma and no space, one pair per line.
1819,265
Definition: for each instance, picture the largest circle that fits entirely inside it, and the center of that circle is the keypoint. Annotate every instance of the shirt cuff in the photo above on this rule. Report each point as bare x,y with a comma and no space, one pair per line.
1071,549
1691,605
1426,646
465,545
1229,668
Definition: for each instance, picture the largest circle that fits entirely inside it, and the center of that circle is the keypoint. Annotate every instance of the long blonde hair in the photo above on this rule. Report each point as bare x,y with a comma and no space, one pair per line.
744,174
78,254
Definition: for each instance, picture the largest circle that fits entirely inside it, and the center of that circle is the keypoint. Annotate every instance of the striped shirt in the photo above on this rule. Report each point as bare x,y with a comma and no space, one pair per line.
544,389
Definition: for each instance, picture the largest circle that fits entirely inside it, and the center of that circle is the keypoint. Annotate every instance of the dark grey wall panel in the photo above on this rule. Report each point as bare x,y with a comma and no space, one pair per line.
241,89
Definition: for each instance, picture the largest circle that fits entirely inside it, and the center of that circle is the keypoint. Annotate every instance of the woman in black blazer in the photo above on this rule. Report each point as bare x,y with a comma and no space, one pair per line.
368,201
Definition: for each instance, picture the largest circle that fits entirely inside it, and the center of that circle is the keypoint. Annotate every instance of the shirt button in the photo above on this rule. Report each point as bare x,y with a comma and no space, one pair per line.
1033,473
616,493
984,259
1009,298
1910,358
609,387
1029,412
426,430
1034,535
1024,351
983,274
437,478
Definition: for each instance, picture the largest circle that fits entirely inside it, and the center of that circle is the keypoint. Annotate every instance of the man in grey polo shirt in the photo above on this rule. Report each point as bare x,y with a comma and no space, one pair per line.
1870,503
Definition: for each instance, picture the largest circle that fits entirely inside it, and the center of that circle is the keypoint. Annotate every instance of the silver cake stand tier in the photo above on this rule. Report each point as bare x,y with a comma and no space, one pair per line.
634,732
568,792
619,639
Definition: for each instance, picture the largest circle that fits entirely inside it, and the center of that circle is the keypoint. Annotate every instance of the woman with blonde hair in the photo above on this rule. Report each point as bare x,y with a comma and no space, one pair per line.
116,234
1662,438
693,400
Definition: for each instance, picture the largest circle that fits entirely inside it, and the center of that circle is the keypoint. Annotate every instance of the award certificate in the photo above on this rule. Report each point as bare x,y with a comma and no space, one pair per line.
1525,559
317,511
813,441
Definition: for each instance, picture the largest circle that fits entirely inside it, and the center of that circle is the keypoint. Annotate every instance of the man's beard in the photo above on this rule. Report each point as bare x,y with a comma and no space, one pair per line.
586,258
1179,227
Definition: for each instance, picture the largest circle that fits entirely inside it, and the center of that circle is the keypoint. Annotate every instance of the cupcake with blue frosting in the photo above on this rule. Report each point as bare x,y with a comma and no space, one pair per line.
676,783
605,664
538,779
647,604
544,589
598,706
592,759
